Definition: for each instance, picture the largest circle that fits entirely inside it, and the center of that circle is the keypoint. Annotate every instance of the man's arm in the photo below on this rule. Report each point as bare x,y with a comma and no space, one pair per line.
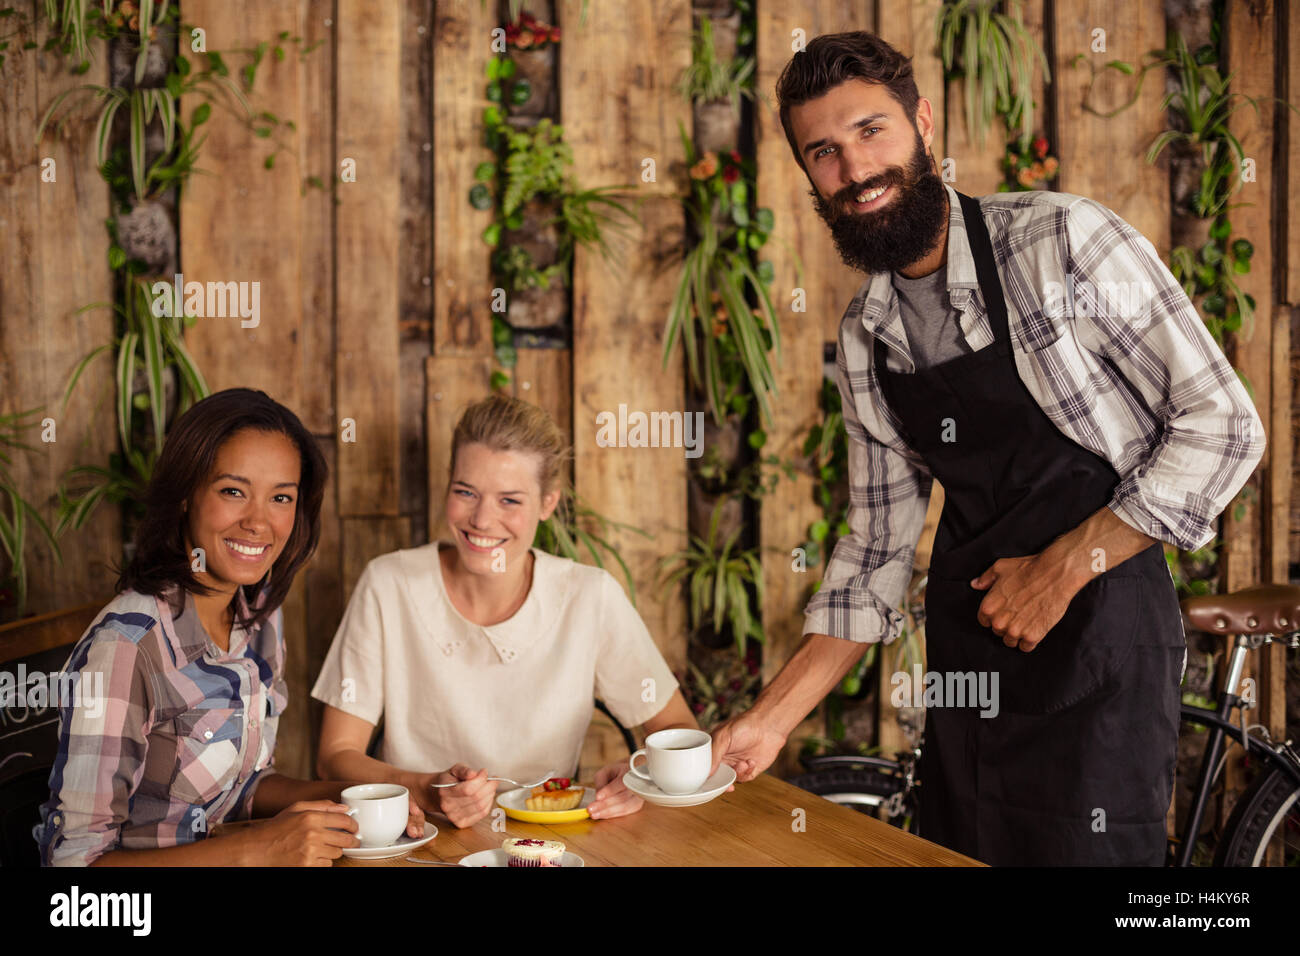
820,662
1208,435
1029,594
864,585
1206,439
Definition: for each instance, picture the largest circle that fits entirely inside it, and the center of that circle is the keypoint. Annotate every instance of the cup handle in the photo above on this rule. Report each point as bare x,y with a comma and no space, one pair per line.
631,764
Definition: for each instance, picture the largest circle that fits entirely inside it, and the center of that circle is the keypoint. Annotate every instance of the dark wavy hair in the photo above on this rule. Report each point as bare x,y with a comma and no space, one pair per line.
160,561
829,60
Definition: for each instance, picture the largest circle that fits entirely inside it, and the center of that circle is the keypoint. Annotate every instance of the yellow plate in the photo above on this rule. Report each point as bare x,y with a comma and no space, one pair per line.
512,802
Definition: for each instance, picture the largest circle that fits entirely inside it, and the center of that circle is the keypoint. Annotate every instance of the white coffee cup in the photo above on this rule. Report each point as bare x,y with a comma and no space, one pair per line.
678,760
381,811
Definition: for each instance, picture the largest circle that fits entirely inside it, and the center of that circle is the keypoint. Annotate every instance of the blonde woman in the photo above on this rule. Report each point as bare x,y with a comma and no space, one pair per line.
483,654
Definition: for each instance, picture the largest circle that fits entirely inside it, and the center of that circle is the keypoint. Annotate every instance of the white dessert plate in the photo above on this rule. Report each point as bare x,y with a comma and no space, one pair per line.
715,786
498,857
403,846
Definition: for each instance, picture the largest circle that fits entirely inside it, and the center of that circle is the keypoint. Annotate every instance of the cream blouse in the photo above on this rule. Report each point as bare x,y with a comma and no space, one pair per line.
515,697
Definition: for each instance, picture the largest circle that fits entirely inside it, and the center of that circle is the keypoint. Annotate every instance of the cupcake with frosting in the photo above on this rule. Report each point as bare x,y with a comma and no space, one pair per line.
530,852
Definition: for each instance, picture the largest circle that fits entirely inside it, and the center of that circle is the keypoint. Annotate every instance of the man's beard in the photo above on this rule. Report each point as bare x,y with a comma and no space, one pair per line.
900,233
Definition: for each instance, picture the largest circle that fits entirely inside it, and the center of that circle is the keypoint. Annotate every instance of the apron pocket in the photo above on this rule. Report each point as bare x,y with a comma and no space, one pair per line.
1084,651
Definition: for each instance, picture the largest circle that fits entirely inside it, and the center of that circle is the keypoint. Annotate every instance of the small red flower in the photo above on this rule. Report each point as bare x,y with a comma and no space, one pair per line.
735,156
1040,147
730,175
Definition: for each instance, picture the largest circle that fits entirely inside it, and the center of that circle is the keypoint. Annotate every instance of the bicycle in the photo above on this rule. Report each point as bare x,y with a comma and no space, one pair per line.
1265,814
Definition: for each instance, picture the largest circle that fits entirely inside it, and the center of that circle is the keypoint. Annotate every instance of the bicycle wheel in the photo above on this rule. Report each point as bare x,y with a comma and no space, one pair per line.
865,790
1267,815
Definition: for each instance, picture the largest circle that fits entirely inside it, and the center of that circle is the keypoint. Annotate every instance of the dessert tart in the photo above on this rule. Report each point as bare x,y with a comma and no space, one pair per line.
555,794
528,852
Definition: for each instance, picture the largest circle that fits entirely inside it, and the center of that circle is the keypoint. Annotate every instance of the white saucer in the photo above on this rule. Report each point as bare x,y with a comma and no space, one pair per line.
403,846
498,858
715,786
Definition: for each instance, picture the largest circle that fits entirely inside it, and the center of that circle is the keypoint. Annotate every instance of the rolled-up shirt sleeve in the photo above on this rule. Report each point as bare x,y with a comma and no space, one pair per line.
1141,320
103,743
869,571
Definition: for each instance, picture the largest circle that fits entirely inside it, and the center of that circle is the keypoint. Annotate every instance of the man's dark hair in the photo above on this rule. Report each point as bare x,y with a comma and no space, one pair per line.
160,561
832,58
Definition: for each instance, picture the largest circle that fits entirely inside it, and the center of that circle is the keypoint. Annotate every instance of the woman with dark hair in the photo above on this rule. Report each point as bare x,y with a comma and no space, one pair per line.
190,656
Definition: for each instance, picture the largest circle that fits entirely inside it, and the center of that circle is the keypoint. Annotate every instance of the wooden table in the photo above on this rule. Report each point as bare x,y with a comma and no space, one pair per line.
756,825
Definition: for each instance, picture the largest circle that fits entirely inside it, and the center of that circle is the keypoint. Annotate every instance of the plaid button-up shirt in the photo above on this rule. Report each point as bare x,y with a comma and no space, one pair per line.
178,740
1106,342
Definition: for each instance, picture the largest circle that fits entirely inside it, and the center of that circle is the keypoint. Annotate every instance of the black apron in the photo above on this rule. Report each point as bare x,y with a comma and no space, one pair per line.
1077,766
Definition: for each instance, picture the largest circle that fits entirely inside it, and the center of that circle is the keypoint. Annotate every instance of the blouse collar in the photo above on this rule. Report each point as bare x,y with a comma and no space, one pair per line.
422,577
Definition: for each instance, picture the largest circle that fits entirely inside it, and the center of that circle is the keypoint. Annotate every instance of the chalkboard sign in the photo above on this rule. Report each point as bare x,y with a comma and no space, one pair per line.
29,721
29,739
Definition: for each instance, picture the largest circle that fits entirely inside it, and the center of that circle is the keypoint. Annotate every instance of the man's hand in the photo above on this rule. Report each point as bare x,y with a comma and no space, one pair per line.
1026,599
1029,595
748,743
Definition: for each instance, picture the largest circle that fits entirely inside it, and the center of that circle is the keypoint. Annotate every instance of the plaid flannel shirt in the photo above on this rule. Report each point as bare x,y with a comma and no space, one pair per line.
180,739
1110,347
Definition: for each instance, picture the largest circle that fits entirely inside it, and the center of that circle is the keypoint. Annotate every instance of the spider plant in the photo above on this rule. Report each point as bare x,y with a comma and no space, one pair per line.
151,341
719,577
76,22
142,106
13,525
709,313
565,533
1203,103
995,54
709,78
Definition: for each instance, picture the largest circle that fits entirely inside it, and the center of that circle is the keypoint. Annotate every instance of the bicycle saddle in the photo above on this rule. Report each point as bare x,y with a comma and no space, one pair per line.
1263,609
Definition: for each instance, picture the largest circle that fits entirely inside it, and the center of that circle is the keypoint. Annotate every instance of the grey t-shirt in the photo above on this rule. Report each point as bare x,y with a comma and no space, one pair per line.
929,319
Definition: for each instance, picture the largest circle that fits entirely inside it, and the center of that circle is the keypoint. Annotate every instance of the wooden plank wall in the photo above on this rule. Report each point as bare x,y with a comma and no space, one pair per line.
218,245
54,248
1103,158
317,599
377,307
910,28
1290,219
828,285
619,108
460,368
1249,42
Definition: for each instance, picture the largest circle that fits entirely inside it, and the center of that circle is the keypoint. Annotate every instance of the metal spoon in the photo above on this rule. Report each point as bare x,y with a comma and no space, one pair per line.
549,775
416,859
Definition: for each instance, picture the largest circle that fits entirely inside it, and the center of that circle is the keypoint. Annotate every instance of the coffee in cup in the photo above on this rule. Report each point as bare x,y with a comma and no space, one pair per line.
381,811
678,760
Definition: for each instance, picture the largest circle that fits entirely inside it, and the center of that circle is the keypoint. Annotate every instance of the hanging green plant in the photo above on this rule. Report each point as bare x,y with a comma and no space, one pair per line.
995,55
16,511
725,338
721,579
